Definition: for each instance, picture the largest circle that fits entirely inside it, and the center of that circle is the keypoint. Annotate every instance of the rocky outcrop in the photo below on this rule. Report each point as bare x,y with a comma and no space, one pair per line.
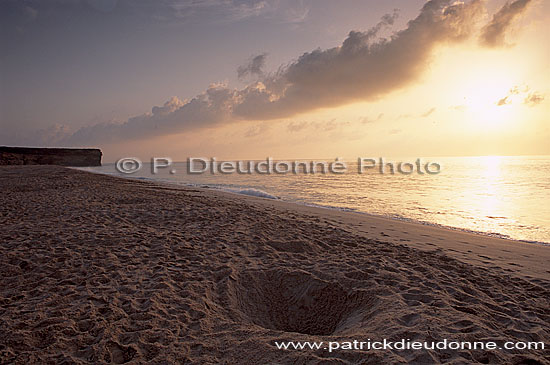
50,156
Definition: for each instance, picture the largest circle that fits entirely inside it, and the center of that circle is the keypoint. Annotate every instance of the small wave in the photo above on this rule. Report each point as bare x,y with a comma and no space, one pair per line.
536,242
234,190
255,192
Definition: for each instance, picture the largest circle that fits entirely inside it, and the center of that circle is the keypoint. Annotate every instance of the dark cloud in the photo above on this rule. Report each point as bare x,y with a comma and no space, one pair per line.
207,109
357,40
288,11
103,5
362,68
493,34
39,137
171,12
359,69
253,68
219,9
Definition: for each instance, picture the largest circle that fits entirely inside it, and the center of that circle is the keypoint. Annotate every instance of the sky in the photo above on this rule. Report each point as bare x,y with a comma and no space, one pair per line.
247,79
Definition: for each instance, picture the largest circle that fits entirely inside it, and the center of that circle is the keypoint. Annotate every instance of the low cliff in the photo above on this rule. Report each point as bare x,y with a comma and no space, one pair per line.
50,156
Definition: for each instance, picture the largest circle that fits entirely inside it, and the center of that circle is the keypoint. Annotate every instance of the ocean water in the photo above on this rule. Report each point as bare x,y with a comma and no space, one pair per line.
502,196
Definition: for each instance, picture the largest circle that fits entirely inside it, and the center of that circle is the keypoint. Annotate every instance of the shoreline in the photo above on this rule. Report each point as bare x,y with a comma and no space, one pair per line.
523,258
101,269
320,206
457,243
372,215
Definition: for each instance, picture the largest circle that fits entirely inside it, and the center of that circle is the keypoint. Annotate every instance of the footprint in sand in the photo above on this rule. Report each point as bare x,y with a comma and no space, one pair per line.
118,353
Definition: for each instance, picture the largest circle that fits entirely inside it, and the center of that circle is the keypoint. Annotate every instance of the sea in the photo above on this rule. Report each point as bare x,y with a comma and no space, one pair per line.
503,196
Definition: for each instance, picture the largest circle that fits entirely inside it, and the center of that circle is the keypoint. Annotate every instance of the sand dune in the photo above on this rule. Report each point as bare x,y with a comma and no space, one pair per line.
96,269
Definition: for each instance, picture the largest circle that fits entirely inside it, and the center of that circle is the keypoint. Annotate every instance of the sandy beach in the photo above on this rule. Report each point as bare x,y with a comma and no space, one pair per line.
97,269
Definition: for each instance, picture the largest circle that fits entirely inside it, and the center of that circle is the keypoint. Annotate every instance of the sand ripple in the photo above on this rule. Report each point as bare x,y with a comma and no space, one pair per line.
100,270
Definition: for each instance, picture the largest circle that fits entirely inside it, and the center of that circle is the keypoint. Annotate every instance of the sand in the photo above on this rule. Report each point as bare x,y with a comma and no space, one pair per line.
96,269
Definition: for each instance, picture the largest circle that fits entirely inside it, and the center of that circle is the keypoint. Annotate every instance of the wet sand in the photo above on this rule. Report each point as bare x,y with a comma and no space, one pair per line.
96,269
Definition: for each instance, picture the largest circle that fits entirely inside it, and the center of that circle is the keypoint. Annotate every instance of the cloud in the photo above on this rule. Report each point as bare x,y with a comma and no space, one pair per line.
257,130
222,9
521,94
103,5
253,68
16,17
31,13
428,113
533,99
49,136
493,34
297,12
367,120
503,101
210,108
362,68
459,107
297,126
323,126
288,11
